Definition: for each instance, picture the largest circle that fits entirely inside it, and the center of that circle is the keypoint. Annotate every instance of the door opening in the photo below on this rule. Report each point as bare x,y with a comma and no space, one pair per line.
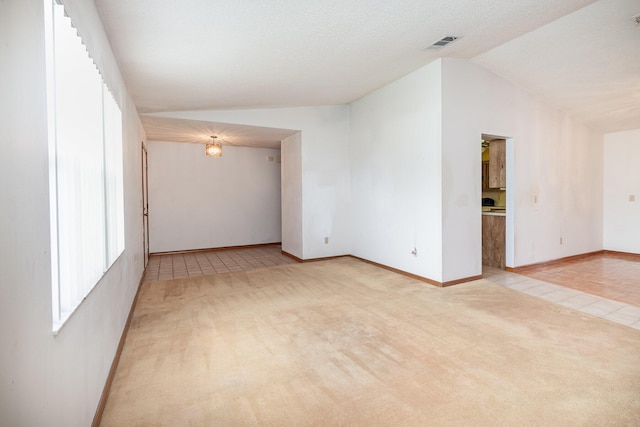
497,201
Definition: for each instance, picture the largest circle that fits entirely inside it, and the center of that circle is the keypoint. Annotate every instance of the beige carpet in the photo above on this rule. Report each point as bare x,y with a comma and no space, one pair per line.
344,343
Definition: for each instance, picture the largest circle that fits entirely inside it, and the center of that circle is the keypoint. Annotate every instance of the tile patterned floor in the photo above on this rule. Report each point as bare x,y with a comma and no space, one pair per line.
615,311
610,275
175,266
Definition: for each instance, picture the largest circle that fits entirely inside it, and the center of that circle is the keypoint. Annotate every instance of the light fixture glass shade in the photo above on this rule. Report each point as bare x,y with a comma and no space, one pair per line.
214,149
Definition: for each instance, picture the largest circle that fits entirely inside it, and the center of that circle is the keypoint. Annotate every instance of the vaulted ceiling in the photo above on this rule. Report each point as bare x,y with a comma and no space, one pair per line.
579,55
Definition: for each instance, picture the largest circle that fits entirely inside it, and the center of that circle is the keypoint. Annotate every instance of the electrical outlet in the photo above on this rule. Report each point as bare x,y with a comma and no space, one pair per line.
326,240
632,197
414,252
561,240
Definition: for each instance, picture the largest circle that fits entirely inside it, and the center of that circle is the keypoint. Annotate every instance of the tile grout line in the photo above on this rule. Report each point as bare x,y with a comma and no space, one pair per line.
577,293
177,266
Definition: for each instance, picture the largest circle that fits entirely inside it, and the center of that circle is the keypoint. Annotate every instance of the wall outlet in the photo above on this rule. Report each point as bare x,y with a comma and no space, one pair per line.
561,240
326,240
414,252
632,197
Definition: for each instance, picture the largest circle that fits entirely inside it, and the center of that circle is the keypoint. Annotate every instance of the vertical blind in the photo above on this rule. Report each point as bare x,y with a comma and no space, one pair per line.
85,149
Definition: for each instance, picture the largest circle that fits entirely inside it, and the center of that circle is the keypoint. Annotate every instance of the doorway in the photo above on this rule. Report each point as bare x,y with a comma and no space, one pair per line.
497,153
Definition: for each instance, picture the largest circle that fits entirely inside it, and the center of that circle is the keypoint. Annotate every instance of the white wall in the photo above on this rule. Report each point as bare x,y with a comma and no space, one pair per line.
291,183
396,182
415,163
557,188
198,202
324,167
621,180
47,380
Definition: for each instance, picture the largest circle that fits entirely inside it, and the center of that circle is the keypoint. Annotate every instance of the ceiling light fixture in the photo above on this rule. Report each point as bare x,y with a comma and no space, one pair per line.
214,149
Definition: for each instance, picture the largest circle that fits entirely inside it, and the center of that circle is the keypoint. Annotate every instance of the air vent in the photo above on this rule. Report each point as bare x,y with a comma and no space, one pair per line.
636,19
442,42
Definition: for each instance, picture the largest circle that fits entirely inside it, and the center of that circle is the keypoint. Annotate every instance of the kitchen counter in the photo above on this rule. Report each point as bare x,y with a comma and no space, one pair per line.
494,210
494,213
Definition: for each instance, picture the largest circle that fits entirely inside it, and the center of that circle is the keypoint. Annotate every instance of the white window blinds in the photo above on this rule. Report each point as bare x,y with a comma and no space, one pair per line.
85,150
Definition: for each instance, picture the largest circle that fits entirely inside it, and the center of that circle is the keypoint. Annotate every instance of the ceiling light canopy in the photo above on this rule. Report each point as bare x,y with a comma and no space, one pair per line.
214,149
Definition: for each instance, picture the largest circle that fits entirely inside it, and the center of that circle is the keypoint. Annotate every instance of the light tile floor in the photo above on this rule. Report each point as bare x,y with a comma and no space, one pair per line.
614,311
611,275
191,264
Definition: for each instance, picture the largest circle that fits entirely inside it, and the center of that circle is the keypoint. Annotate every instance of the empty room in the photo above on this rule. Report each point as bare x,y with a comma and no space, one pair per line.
289,213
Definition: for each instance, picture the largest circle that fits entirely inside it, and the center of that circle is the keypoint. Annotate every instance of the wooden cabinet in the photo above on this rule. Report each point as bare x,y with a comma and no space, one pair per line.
493,240
485,176
497,157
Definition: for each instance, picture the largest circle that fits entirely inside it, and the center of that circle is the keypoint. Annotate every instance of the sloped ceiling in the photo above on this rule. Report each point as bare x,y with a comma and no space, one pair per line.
223,54
587,62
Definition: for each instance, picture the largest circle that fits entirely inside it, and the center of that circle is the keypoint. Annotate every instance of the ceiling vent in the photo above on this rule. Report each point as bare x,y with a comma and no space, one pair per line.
636,19
442,43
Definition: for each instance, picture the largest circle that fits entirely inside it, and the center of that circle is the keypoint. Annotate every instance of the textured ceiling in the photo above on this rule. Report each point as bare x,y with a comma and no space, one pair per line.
223,54
587,62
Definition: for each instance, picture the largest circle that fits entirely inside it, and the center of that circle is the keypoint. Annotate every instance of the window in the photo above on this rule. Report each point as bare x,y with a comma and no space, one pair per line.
85,167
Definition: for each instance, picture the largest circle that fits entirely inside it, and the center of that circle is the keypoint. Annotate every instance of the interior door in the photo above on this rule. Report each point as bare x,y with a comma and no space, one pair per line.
145,204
